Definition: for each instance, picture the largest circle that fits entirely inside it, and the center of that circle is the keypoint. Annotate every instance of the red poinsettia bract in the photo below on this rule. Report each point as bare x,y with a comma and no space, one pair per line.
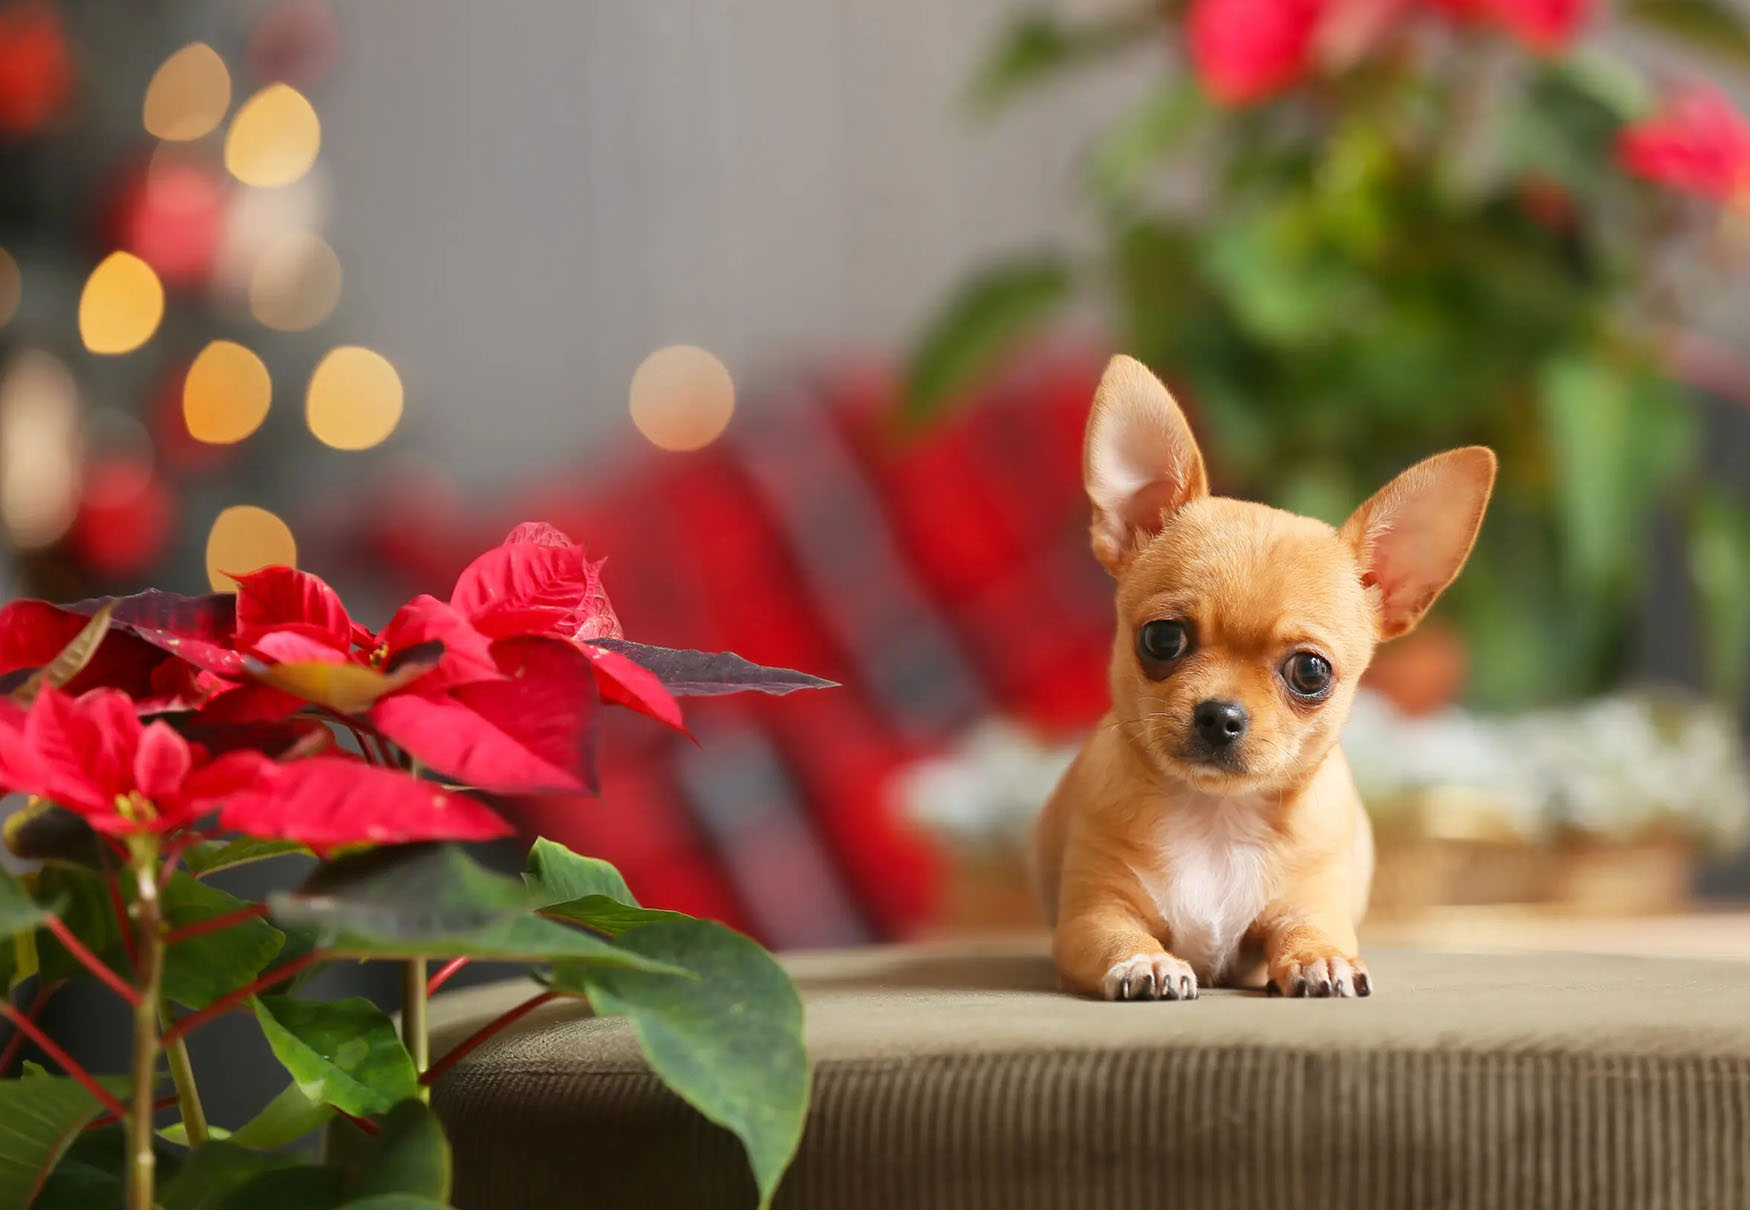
1697,143
94,756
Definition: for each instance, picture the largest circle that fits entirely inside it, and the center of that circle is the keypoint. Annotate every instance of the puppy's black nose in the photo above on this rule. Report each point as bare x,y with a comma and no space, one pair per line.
1220,724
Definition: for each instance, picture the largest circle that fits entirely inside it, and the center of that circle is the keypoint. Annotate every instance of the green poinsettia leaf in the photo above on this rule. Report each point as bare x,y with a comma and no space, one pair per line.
19,913
988,317
81,899
199,970
1712,26
290,1116
554,874
1042,46
210,856
42,831
216,1174
40,1117
1719,567
92,1173
394,1201
606,916
408,1158
345,1053
434,901
728,1039
304,1187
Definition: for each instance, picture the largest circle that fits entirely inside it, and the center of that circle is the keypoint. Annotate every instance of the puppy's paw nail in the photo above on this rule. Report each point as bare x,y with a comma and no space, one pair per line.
1331,976
1150,977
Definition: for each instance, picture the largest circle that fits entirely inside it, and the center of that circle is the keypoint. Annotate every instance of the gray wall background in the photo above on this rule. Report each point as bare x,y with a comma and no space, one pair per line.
528,198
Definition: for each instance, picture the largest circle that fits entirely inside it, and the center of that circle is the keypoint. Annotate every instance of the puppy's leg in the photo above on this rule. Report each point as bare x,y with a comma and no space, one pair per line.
1105,950
1309,942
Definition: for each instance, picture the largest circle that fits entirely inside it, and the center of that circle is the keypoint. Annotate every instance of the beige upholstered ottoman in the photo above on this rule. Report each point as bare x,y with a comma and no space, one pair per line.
960,1078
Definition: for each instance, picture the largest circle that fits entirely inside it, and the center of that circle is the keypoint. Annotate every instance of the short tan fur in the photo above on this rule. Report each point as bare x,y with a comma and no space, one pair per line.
1209,831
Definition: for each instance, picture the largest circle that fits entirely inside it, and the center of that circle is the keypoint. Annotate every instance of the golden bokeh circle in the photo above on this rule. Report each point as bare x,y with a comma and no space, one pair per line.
682,398
243,539
274,138
354,400
226,394
188,95
121,305
296,282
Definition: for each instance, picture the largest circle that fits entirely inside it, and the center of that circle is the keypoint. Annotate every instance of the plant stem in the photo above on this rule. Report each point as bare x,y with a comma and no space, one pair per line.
485,1032
38,1002
230,1000
443,975
214,923
142,1159
30,1029
413,1016
188,1095
91,962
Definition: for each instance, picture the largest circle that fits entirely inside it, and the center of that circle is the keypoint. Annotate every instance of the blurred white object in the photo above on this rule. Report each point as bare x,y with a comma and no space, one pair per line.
1614,767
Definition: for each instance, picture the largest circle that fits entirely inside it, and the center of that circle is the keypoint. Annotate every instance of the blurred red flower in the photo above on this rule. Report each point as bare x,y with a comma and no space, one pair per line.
92,755
36,72
1248,50
1547,26
1697,143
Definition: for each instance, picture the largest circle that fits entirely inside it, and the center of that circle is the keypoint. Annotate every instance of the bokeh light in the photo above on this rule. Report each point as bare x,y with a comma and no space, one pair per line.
226,394
258,217
11,287
188,95
121,305
296,283
172,216
243,539
40,449
354,400
682,398
274,138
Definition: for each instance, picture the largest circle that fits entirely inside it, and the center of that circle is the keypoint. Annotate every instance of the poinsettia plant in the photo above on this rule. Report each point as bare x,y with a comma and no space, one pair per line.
1349,232
163,738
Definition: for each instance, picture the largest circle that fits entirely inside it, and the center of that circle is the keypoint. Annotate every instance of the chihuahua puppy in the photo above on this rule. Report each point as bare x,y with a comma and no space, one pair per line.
1209,832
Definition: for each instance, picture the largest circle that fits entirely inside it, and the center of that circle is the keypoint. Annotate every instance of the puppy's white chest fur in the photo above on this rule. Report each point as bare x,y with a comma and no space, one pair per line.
1209,879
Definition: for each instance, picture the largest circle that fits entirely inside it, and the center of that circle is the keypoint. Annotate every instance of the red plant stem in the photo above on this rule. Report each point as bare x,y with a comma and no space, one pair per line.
172,854
164,1102
16,1042
122,923
472,1041
364,1124
61,1058
90,961
230,1000
352,726
443,975
213,924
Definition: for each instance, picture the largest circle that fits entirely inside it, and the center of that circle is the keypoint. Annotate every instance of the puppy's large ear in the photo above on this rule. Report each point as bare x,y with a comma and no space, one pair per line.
1413,536
1140,463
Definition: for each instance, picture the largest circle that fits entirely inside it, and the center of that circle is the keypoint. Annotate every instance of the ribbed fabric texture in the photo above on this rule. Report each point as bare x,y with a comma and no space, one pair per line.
1156,1105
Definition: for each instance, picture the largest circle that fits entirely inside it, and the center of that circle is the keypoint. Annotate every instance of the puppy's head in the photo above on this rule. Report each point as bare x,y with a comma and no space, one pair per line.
1242,629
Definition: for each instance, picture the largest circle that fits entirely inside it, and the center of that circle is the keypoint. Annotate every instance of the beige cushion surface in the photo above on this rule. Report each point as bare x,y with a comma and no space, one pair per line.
959,1076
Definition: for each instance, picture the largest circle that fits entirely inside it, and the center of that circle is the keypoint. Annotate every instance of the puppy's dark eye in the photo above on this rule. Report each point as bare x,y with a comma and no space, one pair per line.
1162,640
1307,674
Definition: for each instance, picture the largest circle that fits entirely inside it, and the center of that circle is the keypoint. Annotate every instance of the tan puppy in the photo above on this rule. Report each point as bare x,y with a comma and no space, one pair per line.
1209,831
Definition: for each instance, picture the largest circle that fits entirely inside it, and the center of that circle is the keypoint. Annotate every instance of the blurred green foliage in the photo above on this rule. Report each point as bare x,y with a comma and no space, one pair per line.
1427,250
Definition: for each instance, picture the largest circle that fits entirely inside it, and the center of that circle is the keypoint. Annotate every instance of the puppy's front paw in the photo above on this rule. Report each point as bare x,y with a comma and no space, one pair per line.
1313,974
1150,977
